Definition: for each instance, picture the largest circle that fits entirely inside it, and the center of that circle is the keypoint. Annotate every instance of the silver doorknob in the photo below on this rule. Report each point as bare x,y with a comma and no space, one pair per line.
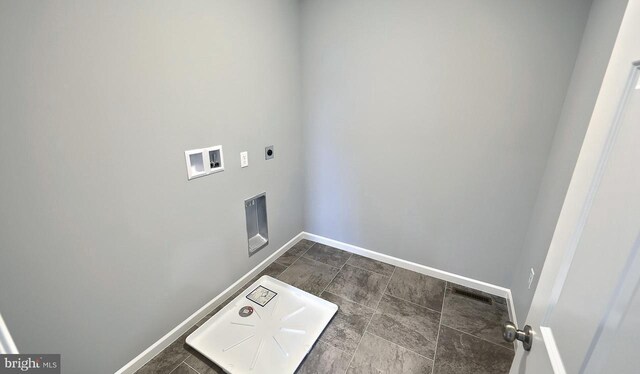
511,333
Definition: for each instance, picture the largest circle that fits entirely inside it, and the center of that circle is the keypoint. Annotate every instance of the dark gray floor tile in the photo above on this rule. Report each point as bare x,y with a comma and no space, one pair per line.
328,255
273,270
361,286
290,256
309,275
371,265
183,369
460,353
376,355
202,364
406,324
418,288
347,326
324,359
169,358
476,317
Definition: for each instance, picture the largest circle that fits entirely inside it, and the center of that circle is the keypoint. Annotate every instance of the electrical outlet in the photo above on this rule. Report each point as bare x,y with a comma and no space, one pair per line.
244,159
531,275
268,152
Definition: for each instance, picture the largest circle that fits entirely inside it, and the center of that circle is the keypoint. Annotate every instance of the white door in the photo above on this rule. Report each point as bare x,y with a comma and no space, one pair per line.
586,310
7,346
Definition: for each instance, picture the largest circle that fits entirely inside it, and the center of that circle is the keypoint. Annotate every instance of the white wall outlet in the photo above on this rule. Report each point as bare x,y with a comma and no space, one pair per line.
244,159
531,275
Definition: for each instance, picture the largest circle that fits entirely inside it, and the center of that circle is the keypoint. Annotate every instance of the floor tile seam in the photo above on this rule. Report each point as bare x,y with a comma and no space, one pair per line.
371,271
180,363
314,244
340,267
334,277
477,337
320,262
297,257
308,249
163,350
385,289
192,368
435,352
349,300
333,346
403,347
369,323
280,273
418,305
360,342
310,259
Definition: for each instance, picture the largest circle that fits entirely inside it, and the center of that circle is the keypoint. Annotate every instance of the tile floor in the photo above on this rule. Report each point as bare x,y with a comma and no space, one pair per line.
390,320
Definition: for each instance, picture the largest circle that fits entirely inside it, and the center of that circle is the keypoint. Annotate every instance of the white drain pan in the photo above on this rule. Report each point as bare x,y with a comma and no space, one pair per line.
268,328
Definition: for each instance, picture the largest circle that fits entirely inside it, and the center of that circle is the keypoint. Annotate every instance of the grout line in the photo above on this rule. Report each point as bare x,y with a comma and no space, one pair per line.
294,261
358,346
332,346
418,305
321,263
435,352
177,366
370,319
161,352
340,267
371,271
308,249
403,347
192,368
338,272
349,300
477,337
385,290
327,286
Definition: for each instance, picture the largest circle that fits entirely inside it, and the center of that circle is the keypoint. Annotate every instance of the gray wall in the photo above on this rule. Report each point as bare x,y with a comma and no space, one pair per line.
105,245
593,58
428,123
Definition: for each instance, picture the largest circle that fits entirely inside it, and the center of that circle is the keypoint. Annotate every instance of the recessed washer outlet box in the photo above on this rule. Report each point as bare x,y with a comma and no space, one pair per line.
204,161
255,209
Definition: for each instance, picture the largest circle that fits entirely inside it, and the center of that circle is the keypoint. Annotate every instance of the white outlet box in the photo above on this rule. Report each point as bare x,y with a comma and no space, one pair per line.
204,161
532,274
244,159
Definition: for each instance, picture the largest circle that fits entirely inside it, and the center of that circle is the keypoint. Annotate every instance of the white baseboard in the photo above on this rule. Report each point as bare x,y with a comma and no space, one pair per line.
174,334
157,347
422,269
512,309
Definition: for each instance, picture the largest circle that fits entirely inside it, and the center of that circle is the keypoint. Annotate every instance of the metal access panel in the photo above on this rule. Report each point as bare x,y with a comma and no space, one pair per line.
268,328
255,209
